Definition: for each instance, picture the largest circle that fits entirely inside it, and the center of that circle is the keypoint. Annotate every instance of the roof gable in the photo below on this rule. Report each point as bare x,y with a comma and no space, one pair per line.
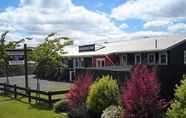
142,44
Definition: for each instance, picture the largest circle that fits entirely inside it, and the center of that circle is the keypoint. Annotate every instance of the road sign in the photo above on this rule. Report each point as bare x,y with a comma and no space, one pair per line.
16,57
20,62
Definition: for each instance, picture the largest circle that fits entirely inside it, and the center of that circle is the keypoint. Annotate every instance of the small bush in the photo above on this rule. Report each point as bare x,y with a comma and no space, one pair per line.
141,95
178,107
61,106
103,93
77,96
79,91
113,112
79,112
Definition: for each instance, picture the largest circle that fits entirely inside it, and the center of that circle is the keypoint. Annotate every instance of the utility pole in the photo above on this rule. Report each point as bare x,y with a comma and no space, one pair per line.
26,66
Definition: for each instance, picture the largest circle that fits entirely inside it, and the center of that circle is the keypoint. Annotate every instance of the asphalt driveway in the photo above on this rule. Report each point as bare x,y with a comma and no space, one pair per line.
45,85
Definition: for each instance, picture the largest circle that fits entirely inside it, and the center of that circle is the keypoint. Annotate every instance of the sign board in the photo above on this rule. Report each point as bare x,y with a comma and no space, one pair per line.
20,62
15,52
16,57
87,48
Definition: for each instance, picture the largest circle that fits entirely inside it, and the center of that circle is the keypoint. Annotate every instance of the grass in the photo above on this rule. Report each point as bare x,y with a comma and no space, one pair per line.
64,86
10,108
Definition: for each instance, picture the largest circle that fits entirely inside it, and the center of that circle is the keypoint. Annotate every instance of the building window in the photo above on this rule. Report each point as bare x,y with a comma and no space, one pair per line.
163,59
100,62
124,59
185,57
77,62
151,58
137,58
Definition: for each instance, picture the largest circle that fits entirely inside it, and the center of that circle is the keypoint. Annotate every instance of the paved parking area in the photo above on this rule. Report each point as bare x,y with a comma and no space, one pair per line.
44,84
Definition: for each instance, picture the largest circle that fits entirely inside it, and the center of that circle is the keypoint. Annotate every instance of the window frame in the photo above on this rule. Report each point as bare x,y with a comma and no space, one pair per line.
100,60
184,57
163,53
122,61
136,58
154,56
77,62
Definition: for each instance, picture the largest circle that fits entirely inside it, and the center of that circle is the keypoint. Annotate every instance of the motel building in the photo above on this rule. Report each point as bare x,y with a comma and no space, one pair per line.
165,54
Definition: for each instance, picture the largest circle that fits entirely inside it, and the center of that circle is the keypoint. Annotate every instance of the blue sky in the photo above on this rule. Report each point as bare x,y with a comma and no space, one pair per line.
92,20
99,5
7,3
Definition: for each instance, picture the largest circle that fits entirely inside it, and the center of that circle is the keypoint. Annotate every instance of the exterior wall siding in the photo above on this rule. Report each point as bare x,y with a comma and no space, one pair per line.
176,55
109,60
120,76
171,74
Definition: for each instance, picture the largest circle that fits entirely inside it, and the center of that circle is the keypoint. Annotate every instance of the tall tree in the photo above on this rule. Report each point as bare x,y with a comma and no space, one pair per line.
51,48
4,46
48,55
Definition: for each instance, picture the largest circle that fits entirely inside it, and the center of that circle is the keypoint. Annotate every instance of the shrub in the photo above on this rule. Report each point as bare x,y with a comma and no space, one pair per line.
61,106
113,112
77,96
178,107
141,95
79,91
79,112
103,93
46,69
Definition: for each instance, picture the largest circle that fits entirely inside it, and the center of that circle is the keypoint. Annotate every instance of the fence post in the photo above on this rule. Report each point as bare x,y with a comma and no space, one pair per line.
4,88
29,95
15,91
50,100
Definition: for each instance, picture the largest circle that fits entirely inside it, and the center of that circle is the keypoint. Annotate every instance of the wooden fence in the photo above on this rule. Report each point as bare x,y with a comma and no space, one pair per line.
32,94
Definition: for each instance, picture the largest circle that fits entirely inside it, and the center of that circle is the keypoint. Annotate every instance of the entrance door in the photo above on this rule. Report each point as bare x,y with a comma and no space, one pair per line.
100,62
71,73
124,60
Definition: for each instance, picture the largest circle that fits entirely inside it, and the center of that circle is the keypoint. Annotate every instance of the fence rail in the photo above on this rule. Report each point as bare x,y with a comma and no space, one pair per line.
31,93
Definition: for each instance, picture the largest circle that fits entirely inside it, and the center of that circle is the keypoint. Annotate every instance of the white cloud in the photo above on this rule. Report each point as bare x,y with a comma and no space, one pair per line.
123,26
37,18
179,27
155,24
150,9
47,4
40,17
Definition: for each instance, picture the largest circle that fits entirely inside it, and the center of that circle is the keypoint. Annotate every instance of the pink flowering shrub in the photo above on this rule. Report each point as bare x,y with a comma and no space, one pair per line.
79,91
141,95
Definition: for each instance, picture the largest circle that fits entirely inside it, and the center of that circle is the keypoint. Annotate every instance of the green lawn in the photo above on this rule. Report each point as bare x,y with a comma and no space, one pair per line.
16,109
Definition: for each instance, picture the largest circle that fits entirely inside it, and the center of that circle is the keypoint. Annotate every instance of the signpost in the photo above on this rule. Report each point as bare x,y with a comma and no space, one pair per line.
19,57
26,66
16,57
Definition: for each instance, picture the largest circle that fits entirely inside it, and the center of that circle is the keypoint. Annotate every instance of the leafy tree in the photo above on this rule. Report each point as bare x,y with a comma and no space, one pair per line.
4,46
178,107
141,95
50,50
